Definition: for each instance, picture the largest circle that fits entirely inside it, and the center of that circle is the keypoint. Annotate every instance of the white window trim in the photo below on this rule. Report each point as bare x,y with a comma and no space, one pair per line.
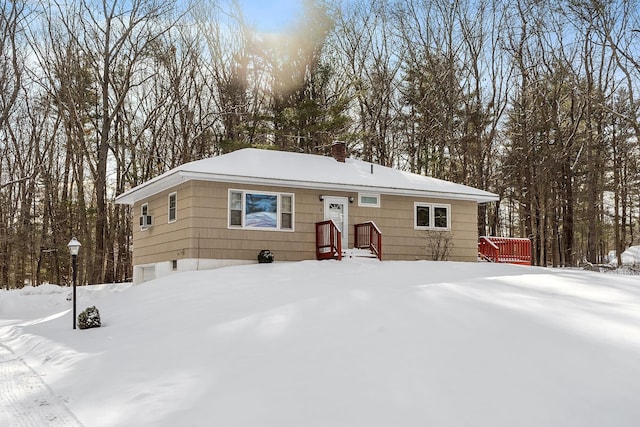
432,217
293,216
278,213
169,220
229,209
369,205
144,210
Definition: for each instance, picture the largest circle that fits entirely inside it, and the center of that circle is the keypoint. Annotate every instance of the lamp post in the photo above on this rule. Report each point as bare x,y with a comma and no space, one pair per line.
74,248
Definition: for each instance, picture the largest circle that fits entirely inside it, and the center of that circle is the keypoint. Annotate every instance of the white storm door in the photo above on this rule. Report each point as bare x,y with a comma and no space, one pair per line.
337,209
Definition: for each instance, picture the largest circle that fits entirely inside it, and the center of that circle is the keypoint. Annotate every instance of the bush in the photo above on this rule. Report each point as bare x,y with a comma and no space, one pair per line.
90,318
265,256
438,244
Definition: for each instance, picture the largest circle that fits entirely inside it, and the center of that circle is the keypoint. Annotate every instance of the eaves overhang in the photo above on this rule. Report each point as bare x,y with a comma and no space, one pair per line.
172,179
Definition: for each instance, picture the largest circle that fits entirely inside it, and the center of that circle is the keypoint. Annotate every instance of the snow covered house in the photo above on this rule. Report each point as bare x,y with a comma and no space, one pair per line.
224,210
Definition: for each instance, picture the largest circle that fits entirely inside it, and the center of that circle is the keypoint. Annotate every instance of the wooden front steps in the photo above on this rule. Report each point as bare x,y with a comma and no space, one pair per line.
368,241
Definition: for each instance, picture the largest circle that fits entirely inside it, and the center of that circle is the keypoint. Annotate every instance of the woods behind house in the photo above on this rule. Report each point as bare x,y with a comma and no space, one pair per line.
535,101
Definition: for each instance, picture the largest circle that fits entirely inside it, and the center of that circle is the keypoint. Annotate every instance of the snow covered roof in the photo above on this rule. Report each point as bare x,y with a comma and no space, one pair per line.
279,168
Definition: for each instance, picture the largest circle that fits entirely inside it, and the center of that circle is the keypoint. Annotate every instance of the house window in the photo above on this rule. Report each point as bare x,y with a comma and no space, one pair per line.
369,200
431,217
261,210
173,200
440,217
286,212
423,216
235,209
145,218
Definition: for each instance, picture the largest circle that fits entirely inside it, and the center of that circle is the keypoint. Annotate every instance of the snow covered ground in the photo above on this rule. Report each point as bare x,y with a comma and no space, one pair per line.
631,256
352,343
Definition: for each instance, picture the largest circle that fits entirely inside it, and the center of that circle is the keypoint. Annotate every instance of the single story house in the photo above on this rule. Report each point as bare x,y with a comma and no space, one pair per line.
224,210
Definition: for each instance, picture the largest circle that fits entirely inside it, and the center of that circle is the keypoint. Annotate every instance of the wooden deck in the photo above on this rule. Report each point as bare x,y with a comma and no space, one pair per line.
509,250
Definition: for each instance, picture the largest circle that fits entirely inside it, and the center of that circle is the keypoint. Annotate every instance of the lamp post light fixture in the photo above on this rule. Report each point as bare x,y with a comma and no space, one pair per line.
74,248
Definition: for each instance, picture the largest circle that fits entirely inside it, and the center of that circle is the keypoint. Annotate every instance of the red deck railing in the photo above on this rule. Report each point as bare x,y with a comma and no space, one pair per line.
509,250
368,236
328,240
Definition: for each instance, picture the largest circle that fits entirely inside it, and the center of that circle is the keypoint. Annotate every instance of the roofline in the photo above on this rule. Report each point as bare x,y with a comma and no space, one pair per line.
164,182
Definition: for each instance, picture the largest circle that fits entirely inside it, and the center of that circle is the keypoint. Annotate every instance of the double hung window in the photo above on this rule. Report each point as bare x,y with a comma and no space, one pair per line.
173,206
146,220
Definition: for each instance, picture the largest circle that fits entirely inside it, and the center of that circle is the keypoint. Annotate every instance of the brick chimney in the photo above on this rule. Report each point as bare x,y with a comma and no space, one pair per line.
339,151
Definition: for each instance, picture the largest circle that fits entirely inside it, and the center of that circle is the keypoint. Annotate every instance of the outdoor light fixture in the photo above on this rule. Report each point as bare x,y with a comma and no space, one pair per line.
321,197
74,248
351,199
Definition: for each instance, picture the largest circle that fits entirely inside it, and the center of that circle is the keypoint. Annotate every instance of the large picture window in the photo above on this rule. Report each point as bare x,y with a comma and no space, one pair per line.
261,210
427,216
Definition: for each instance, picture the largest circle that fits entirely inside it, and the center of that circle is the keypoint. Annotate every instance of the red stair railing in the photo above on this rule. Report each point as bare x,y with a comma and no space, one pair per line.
368,236
328,240
487,250
509,250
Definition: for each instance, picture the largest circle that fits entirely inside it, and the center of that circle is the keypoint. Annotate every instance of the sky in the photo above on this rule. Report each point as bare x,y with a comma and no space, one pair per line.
270,15
357,342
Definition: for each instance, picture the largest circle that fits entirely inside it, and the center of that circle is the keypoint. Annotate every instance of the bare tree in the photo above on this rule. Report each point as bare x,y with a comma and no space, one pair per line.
371,64
110,41
12,14
11,62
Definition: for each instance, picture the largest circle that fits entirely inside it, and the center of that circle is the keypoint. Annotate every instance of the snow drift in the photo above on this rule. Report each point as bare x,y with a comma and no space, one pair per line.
353,343
631,256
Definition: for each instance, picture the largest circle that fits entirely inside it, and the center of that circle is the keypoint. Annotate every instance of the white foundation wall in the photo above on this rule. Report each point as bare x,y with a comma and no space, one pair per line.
147,272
